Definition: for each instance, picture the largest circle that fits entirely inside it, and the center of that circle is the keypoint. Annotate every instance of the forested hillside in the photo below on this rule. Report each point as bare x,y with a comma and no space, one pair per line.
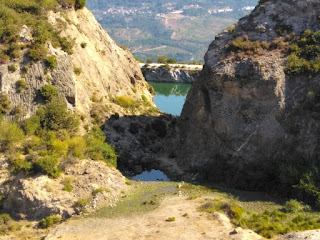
177,28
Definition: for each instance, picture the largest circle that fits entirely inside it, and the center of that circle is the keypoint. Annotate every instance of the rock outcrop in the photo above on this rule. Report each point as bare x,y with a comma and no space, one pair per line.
245,114
34,198
103,68
172,75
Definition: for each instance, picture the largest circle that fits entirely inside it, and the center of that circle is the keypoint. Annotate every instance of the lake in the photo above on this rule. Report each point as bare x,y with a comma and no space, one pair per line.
170,97
153,175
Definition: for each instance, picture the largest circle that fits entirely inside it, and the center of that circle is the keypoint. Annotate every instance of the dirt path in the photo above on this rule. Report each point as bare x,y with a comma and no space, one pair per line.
189,224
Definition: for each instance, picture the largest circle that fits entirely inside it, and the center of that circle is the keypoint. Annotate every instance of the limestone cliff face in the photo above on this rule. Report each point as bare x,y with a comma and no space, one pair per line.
174,75
245,113
106,69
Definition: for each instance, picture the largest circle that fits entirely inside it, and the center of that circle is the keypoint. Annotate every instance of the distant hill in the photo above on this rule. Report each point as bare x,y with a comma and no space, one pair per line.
181,29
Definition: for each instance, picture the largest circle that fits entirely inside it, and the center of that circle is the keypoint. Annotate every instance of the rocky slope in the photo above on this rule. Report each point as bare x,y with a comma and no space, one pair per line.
89,80
37,197
97,69
245,116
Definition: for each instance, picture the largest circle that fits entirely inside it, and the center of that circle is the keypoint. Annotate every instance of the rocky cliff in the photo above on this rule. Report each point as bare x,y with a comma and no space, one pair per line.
174,75
252,118
89,76
97,70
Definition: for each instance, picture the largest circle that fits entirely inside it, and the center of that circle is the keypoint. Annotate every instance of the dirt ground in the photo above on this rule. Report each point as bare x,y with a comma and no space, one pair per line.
189,224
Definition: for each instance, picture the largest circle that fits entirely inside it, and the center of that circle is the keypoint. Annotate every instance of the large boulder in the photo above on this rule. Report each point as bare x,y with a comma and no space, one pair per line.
245,120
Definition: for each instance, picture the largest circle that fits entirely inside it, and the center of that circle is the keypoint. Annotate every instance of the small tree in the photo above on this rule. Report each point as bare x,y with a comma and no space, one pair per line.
80,4
10,135
5,103
48,92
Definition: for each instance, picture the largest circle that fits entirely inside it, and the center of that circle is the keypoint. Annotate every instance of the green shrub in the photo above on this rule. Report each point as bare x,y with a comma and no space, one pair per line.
31,125
55,116
293,206
59,148
83,44
68,181
12,67
98,190
77,71
21,164
162,59
5,218
77,147
5,103
13,51
49,165
80,204
10,135
51,62
49,221
21,85
49,92
80,4
305,54
171,219
98,149
37,52
66,45
126,102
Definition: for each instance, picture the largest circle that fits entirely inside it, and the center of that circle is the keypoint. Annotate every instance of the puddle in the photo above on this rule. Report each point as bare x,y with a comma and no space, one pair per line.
152,176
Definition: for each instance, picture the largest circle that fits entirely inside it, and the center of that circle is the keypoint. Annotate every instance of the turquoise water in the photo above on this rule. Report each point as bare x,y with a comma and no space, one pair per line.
170,97
153,175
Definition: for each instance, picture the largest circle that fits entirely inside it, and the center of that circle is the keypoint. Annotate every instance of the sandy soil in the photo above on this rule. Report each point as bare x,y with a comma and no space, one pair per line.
153,225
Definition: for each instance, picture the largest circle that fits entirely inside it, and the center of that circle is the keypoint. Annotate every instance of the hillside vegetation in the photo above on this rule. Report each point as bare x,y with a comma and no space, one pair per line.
16,13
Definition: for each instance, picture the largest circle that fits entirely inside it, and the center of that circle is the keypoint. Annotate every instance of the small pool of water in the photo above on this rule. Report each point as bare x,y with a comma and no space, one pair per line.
152,176
170,97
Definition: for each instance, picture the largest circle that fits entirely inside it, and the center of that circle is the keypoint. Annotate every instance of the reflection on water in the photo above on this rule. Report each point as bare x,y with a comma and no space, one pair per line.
170,97
153,175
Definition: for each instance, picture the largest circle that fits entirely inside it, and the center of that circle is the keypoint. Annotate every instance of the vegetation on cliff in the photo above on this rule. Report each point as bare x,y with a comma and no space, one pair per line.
49,140
15,13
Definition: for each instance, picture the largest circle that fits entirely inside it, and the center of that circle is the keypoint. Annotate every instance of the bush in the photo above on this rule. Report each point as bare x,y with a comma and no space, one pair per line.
55,116
80,204
49,92
21,164
5,103
10,135
13,51
31,125
37,52
49,221
162,59
305,54
68,181
66,45
83,44
293,206
49,165
77,71
80,4
51,62
5,218
21,85
171,219
98,149
77,147
12,67
126,102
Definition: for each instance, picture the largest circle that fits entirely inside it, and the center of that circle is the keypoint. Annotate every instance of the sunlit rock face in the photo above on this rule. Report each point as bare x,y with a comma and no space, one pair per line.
245,115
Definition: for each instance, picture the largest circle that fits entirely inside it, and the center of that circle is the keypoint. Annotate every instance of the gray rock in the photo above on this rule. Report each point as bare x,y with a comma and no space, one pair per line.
244,113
